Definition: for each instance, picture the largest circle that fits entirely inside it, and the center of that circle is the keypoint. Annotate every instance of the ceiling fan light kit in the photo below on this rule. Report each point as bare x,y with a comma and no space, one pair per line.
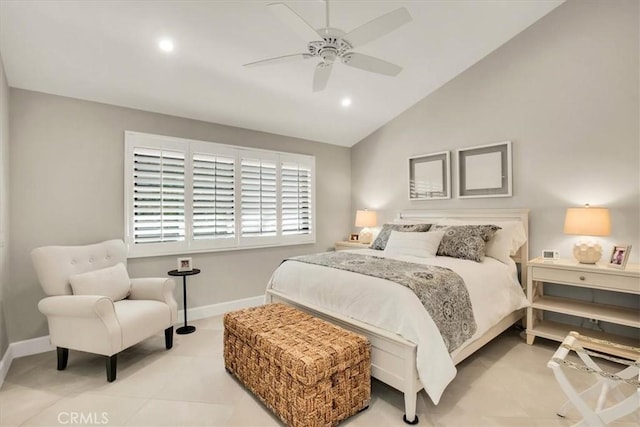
331,43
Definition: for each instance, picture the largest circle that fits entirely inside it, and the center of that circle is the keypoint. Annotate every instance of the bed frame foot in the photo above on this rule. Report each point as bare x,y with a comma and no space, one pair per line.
410,404
415,420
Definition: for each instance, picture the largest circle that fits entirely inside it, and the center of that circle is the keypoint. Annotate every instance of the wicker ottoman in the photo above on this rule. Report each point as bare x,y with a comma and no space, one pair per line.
307,371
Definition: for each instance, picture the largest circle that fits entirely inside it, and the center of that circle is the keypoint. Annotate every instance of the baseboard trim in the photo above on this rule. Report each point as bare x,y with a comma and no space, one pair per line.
43,344
201,312
21,349
5,363
32,346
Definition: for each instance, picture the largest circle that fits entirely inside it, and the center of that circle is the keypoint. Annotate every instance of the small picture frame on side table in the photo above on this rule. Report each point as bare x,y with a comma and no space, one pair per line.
185,264
619,256
353,237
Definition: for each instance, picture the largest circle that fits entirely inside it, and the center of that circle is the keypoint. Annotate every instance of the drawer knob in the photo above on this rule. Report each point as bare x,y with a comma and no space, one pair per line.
582,277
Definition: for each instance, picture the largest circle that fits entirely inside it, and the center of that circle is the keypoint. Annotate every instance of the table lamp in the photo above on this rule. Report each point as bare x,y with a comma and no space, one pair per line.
587,221
366,219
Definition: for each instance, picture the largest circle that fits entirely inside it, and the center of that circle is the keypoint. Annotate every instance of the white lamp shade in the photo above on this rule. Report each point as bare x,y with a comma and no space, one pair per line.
366,219
587,221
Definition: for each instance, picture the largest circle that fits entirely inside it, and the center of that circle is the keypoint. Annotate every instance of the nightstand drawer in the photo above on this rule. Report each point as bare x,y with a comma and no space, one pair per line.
583,278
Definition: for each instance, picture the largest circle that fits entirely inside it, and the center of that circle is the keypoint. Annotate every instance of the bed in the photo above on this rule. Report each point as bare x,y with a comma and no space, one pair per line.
405,352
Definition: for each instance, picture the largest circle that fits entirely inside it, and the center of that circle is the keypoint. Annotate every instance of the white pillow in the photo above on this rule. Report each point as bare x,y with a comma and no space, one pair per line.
112,282
504,243
423,245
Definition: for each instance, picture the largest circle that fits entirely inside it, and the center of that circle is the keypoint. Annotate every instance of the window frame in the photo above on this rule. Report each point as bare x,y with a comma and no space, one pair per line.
189,147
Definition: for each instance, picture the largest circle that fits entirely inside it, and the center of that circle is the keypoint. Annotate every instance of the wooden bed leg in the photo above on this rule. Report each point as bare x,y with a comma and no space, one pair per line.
410,400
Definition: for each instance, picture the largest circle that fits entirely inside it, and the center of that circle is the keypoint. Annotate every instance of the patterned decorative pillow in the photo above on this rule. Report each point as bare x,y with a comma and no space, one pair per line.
381,240
465,241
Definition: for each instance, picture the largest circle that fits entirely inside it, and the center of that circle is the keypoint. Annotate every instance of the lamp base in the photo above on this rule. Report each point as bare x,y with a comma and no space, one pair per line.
587,252
365,236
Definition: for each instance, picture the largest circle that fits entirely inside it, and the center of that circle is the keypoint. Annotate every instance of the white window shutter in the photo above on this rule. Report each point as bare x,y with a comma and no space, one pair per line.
213,197
296,209
158,199
258,197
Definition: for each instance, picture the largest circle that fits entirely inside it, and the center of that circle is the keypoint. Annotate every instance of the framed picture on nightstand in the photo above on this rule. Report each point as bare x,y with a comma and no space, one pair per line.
619,256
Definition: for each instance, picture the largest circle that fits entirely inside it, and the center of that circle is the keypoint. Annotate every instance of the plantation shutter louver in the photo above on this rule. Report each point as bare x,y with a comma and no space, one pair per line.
158,203
296,199
213,197
258,197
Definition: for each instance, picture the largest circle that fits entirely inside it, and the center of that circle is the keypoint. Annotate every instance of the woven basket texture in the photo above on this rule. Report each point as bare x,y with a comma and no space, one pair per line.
309,372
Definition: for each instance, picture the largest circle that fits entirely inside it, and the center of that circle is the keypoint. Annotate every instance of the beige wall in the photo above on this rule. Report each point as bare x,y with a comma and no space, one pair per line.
565,91
4,205
67,188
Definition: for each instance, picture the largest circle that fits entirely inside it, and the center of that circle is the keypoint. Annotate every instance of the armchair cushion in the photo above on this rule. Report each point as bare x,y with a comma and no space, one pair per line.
112,282
140,319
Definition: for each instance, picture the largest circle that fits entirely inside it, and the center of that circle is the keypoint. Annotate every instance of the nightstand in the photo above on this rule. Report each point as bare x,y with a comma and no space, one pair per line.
346,244
568,272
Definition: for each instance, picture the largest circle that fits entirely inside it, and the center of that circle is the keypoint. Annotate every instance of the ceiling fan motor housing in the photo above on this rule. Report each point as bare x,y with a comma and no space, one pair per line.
330,47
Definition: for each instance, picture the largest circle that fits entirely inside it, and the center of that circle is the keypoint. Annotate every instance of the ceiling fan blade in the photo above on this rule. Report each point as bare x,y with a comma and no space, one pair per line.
321,76
295,21
279,59
378,27
370,63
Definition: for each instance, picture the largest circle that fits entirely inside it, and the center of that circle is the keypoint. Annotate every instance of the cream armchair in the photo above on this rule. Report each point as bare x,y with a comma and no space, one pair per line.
100,323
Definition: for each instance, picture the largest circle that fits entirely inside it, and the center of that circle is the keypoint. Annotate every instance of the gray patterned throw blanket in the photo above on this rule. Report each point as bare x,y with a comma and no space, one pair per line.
441,290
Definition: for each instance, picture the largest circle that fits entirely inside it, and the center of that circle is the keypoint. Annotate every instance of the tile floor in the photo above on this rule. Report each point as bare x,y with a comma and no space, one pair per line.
506,383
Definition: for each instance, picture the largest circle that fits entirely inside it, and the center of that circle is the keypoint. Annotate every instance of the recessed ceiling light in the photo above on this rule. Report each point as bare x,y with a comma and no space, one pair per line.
346,101
166,45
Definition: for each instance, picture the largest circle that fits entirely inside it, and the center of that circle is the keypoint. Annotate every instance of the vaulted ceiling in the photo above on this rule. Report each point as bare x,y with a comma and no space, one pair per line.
107,51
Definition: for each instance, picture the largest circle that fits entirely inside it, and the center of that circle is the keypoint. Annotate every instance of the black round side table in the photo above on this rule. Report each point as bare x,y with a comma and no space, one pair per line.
184,329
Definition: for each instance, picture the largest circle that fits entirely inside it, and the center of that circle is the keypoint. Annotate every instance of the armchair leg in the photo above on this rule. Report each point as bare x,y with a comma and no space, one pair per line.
63,358
168,337
112,362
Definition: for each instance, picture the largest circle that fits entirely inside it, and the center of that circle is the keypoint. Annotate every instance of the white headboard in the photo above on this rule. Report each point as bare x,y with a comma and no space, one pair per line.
521,215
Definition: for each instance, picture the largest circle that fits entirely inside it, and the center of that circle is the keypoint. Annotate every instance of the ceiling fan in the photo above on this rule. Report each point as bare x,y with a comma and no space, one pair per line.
329,44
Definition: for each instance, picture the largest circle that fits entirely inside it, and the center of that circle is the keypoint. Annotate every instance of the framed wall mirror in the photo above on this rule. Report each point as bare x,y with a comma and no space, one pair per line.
485,171
430,176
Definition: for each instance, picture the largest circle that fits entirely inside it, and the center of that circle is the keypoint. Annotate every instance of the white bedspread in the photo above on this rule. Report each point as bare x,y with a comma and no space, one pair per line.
493,288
